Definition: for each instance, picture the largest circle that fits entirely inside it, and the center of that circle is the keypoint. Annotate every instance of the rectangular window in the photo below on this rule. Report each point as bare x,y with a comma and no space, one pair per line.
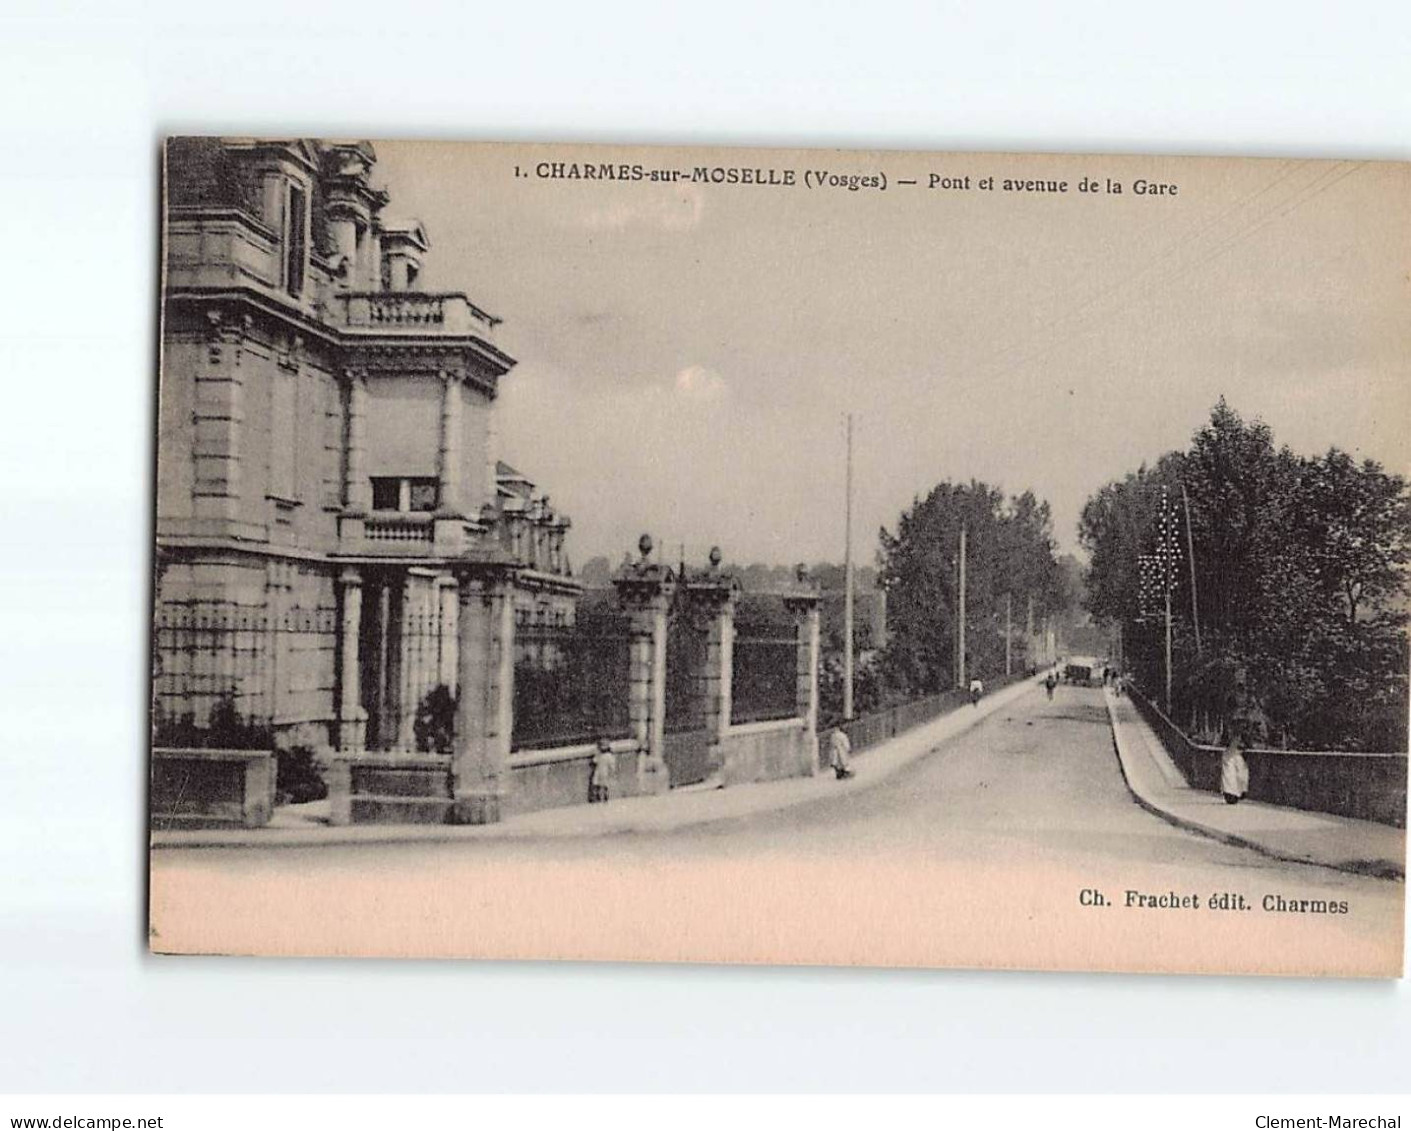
386,494
423,495
395,493
294,243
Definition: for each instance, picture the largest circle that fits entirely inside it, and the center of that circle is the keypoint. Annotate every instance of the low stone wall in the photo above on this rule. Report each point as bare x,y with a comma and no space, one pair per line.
550,779
877,727
194,788
1370,787
767,751
390,789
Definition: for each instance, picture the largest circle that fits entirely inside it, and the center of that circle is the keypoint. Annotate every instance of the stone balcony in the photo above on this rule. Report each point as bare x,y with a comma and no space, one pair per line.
408,534
409,312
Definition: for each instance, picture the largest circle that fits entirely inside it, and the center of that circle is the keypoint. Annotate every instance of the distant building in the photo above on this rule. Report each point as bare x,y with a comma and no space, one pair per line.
327,473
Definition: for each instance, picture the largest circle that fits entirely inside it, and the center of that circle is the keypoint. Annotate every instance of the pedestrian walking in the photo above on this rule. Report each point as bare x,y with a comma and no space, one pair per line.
1243,728
1049,683
1234,773
977,688
840,753
604,767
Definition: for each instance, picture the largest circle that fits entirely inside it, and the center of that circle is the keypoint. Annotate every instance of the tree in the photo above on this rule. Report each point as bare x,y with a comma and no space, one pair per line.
1355,527
1010,554
1300,569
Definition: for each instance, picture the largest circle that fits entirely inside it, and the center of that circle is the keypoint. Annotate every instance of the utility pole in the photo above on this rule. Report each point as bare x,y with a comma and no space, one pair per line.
1190,553
1168,651
1029,648
1008,633
960,626
847,586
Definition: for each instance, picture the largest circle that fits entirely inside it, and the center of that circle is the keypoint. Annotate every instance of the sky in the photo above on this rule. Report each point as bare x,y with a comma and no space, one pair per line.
688,353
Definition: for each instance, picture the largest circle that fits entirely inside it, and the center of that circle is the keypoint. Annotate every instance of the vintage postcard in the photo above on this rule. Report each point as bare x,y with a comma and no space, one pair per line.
781,556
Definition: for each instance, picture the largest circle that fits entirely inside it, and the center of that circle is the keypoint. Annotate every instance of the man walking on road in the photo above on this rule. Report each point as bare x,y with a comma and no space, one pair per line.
977,688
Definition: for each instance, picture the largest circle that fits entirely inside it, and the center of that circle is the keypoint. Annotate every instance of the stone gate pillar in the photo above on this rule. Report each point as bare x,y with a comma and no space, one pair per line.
712,598
485,705
803,602
644,590
352,716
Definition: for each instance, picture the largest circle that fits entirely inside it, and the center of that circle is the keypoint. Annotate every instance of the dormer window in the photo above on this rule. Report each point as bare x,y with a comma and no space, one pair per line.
296,240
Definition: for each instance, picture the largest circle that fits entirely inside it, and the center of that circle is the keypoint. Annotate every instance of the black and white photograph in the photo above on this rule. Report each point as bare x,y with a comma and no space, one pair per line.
636,565
832,557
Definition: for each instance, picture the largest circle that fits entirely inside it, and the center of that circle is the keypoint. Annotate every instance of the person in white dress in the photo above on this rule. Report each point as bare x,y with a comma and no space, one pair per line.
840,753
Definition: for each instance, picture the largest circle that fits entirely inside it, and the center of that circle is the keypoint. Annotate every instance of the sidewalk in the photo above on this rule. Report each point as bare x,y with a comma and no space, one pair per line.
1296,835
675,810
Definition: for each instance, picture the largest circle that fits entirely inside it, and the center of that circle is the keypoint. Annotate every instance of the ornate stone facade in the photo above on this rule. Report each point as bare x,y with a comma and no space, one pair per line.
328,491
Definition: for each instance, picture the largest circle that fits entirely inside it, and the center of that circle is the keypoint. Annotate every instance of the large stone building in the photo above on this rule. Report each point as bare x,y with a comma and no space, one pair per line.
329,498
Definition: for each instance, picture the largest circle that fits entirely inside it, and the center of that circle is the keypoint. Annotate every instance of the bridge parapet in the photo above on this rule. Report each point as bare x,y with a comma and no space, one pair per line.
1364,785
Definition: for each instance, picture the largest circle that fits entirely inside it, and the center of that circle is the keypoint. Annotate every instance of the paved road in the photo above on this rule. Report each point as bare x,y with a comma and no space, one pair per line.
979,854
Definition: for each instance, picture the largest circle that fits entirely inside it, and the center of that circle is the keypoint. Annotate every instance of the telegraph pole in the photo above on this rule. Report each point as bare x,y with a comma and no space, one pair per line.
960,628
847,587
1190,553
1008,633
1029,632
1168,651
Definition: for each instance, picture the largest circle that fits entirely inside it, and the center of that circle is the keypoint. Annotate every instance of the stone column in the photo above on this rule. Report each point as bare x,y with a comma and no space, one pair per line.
446,649
644,592
803,603
397,272
492,458
485,707
371,266
352,717
357,487
409,669
218,416
449,456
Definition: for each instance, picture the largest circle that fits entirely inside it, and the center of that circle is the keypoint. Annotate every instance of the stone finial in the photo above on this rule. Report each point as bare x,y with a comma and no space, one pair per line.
714,558
644,546
804,596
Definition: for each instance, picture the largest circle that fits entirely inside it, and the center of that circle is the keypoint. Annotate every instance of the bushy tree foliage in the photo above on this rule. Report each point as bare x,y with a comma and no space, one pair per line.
1010,552
1299,580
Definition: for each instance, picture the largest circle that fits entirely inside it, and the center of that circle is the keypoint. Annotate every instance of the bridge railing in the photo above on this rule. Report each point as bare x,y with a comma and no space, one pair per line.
1368,786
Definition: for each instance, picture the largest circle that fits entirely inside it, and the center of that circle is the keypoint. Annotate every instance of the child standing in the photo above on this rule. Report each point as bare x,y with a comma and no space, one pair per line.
604,767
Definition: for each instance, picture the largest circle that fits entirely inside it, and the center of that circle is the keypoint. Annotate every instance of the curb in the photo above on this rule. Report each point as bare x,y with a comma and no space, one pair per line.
334,836
1378,869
